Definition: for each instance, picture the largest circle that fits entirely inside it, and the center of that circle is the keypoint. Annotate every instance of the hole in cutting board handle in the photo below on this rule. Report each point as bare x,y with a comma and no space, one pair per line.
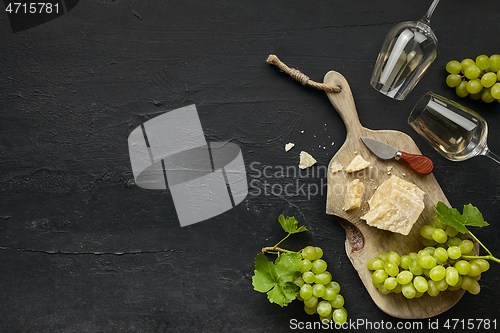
353,234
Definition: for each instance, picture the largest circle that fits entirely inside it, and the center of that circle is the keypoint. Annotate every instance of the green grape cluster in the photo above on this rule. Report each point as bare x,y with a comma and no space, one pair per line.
479,79
317,290
439,266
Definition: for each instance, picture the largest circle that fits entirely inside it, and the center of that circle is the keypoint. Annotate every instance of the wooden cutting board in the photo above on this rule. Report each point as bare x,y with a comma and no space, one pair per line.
364,242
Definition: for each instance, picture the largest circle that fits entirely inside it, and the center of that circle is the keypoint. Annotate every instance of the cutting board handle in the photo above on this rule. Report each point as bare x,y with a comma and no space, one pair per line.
343,102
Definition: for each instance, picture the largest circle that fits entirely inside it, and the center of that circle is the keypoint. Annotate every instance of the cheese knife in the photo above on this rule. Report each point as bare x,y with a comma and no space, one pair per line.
420,164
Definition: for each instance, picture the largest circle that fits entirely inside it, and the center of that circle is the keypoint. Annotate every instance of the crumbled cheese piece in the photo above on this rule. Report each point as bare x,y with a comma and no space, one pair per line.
389,168
289,146
354,193
336,166
395,206
358,163
306,160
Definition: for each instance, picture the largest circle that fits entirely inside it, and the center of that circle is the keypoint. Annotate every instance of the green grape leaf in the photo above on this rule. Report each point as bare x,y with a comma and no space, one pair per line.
451,216
290,224
276,279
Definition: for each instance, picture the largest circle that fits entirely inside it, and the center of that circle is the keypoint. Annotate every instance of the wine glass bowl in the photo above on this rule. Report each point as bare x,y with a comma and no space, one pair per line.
456,132
407,51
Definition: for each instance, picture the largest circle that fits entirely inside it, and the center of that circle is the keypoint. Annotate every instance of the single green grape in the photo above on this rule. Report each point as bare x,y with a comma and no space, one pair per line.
335,286
405,261
472,72
452,276
409,290
426,231
461,89
390,283
441,254
453,241
454,252
391,268
339,316
426,262
441,285
475,288
453,67
419,294
369,264
474,86
324,308
439,235
451,231
486,95
298,281
398,289
437,273
484,264
309,277
338,302
466,246
413,256
483,62
318,266
311,301
423,253
378,264
309,311
318,290
453,80
404,277
319,253
323,278
305,265
415,268
394,257
330,294
495,63
489,79
306,291
309,253
475,269
462,267
432,290
467,62
467,282
383,289
379,276
495,89
382,256
420,284
430,250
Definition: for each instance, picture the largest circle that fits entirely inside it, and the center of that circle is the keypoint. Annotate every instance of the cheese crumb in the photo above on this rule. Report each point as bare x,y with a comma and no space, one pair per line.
289,146
306,160
395,206
389,168
354,193
358,163
336,167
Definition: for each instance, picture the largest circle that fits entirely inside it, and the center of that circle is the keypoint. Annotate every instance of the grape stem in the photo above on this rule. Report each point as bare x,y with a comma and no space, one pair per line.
271,249
488,257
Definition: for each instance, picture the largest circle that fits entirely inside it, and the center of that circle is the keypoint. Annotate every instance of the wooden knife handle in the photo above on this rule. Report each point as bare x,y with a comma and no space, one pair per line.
418,163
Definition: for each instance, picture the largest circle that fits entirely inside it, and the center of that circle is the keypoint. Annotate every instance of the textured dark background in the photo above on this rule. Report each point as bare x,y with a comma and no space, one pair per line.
82,249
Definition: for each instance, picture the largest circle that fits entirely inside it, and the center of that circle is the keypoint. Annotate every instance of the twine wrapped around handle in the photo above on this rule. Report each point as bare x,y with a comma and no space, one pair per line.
299,76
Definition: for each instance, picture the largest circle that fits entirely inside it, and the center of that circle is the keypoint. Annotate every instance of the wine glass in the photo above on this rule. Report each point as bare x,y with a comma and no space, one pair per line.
457,132
408,50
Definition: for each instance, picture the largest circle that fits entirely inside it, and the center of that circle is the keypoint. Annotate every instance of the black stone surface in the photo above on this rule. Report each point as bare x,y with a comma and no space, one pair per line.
83,249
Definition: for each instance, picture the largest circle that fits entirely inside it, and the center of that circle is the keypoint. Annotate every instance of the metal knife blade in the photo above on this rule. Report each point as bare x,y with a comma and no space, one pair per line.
418,163
381,149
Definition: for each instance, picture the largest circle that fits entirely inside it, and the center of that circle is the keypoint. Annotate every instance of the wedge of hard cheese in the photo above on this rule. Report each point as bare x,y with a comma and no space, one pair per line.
395,206
354,194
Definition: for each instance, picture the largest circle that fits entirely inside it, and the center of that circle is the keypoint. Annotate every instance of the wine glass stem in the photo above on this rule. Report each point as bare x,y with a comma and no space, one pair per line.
489,154
427,17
